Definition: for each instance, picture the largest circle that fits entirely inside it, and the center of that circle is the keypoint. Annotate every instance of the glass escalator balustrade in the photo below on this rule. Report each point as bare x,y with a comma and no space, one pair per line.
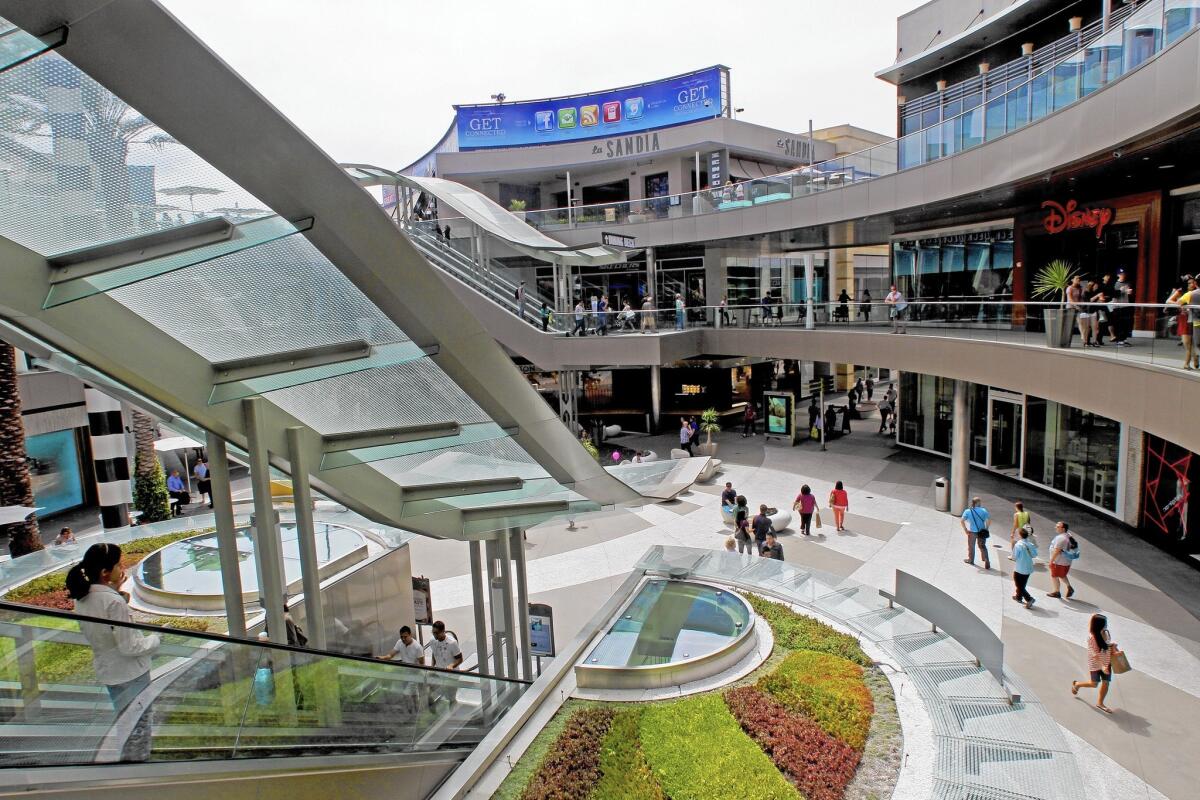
209,698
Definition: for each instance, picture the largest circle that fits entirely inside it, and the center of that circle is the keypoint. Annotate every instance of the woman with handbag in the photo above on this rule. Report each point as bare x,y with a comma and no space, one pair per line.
1103,657
806,504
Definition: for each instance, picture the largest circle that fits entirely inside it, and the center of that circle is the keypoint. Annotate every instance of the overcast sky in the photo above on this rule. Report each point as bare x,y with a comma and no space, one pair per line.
374,80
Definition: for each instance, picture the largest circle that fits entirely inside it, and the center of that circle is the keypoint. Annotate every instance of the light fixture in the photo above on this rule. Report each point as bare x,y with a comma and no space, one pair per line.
1166,166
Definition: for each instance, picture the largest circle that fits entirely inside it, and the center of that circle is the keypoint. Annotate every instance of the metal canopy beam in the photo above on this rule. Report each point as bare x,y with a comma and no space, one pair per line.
89,261
435,491
358,440
512,509
242,369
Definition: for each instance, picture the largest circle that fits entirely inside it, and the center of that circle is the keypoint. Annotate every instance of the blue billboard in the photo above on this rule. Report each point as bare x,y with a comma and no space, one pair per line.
673,101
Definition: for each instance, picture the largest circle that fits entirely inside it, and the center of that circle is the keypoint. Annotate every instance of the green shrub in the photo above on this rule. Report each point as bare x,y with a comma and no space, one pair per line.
826,688
43,584
572,767
624,773
698,751
797,632
150,495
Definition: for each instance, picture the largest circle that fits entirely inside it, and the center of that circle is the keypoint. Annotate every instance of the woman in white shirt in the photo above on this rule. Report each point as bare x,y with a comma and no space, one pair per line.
121,655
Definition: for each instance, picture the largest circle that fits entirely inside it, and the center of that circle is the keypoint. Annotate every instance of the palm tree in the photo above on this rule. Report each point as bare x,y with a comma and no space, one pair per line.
150,494
30,116
16,485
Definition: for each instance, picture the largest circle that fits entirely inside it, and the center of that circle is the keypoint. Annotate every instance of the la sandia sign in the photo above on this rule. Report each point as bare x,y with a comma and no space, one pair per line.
1061,218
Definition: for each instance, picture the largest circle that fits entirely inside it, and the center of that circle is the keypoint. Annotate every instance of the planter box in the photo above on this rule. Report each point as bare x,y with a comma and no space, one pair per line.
1060,324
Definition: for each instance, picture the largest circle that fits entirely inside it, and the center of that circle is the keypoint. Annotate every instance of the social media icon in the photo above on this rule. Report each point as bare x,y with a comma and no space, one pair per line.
634,106
566,118
612,112
589,115
543,121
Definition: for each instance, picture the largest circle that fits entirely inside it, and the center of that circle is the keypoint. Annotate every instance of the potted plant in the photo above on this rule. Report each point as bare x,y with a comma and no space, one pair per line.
517,207
1051,282
710,423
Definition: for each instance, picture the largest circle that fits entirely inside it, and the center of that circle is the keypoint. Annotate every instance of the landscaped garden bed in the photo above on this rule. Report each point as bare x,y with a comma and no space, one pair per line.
816,721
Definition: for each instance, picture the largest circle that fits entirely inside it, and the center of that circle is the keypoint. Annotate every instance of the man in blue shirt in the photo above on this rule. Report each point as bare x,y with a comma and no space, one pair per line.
975,524
177,490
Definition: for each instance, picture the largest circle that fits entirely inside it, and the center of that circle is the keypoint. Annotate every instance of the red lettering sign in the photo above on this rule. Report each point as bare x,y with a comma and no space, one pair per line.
1062,218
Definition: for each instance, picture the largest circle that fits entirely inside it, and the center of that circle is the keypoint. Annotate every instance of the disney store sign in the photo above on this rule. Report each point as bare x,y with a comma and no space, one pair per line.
1061,218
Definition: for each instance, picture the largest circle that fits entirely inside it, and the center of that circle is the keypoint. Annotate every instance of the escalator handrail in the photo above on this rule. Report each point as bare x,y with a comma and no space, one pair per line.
24,608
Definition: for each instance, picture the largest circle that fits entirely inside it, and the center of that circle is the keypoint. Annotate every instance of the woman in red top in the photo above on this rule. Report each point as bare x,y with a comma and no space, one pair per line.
839,501
806,504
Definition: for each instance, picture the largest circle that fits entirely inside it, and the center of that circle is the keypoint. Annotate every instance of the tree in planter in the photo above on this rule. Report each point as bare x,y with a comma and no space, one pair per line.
150,494
710,423
1051,282
516,205
16,485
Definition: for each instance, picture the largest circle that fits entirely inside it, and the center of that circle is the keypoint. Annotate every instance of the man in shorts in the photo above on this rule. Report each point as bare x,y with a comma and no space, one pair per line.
1060,562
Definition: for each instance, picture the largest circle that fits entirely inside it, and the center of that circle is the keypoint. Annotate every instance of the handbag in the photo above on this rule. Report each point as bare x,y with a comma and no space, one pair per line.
1120,662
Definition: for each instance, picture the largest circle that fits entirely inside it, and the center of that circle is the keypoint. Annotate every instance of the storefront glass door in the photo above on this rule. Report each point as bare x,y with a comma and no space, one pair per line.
1004,445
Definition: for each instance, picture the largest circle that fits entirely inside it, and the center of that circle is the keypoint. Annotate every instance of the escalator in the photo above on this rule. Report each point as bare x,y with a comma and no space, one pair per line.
214,699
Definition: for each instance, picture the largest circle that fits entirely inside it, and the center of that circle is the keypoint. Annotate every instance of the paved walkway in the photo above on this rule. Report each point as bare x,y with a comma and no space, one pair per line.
1152,600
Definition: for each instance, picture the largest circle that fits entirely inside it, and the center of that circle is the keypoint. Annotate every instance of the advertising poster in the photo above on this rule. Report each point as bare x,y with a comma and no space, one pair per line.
541,629
1168,516
780,414
422,603
611,113
54,467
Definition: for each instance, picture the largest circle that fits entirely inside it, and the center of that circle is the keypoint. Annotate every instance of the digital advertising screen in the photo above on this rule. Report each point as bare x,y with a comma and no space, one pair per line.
614,112
55,470
541,629
781,407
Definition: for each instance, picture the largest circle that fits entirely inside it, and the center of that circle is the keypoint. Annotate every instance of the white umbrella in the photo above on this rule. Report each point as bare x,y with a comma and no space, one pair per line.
11,514
170,443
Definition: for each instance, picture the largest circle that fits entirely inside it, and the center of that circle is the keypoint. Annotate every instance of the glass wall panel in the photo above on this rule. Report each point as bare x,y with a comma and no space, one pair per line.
1074,451
996,118
926,407
977,401
1018,107
1039,96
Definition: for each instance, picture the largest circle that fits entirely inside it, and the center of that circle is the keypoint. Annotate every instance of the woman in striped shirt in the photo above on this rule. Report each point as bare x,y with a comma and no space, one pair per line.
1100,651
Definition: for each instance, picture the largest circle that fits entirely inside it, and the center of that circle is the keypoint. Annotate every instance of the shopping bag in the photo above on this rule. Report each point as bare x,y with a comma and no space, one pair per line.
815,433
817,518
1120,662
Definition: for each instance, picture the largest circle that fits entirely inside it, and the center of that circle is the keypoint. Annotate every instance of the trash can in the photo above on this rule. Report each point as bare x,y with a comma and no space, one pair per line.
941,494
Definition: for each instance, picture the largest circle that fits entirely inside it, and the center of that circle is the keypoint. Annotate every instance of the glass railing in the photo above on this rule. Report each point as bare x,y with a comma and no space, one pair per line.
1148,333
1138,38
196,697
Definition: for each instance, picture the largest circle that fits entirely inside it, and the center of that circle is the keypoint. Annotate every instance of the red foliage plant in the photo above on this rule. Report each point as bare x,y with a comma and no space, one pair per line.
572,767
57,599
818,764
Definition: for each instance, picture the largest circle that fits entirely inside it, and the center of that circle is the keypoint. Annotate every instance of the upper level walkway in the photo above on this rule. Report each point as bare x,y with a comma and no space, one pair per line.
1144,384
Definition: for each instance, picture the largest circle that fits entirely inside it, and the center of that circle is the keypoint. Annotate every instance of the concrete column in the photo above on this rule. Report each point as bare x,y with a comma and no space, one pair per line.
314,611
506,588
478,606
960,451
655,397
495,605
110,459
518,554
231,571
809,278
651,274
268,555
